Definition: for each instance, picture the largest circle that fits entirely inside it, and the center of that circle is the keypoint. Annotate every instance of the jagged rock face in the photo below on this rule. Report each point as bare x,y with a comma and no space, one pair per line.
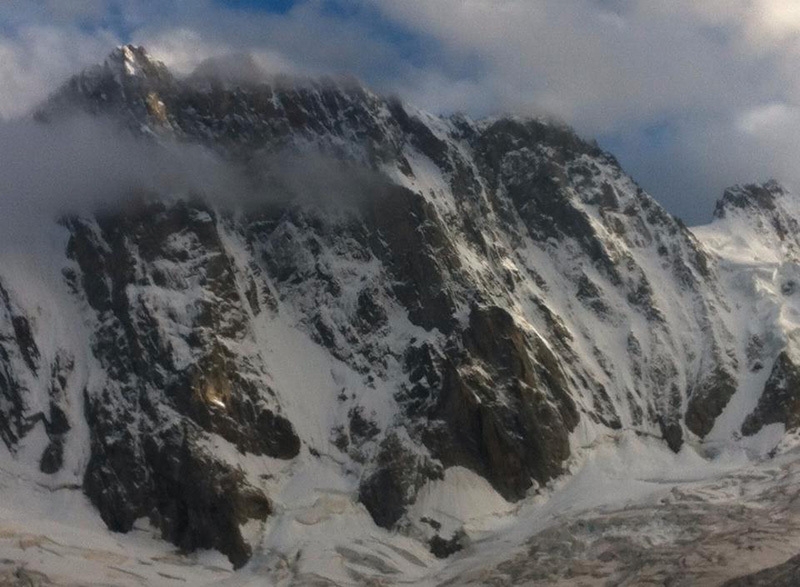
768,211
418,253
617,234
171,328
708,399
32,389
780,402
16,340
504,407
489,295
756,226
751,197
392,487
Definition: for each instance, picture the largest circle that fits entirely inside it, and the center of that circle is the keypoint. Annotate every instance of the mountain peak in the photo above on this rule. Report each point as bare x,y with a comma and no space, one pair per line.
128,78
132,61
749,197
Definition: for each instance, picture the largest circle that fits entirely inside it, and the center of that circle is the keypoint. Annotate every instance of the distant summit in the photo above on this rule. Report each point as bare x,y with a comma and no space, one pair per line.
133,61
749,196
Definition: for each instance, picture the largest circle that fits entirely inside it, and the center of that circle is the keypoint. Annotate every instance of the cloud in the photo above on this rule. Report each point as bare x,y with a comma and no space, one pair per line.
83,164
719,75
182,49
37,58
308,37
767,119
76,9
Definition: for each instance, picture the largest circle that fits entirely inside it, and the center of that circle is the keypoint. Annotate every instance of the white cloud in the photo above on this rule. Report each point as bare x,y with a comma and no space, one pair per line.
38,58
767,119
721,74
779,19
182,49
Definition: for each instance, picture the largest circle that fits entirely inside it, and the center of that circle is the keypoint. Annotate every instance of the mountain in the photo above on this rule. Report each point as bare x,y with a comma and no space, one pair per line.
407,323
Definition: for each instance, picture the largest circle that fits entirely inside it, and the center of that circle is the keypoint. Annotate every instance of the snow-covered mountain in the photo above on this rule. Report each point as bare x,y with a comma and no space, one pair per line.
407,325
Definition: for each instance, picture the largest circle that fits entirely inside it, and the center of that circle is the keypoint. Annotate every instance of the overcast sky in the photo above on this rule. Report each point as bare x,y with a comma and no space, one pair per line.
691,95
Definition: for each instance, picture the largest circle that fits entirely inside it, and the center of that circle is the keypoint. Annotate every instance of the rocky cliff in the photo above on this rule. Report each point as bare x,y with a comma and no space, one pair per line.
397,297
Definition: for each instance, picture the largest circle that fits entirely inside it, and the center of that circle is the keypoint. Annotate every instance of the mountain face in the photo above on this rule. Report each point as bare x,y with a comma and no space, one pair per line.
404,300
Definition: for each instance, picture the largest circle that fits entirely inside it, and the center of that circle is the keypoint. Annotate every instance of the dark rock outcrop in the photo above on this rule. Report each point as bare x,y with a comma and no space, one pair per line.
409,237
146,426
194,498
708,399
500,406
780,401
751,196
398,474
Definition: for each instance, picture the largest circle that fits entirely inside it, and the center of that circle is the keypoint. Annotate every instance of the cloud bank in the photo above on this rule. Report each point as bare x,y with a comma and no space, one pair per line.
84,164
691,96
80,165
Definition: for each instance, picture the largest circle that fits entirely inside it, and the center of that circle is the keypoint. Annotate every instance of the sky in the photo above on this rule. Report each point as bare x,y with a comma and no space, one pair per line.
690,96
